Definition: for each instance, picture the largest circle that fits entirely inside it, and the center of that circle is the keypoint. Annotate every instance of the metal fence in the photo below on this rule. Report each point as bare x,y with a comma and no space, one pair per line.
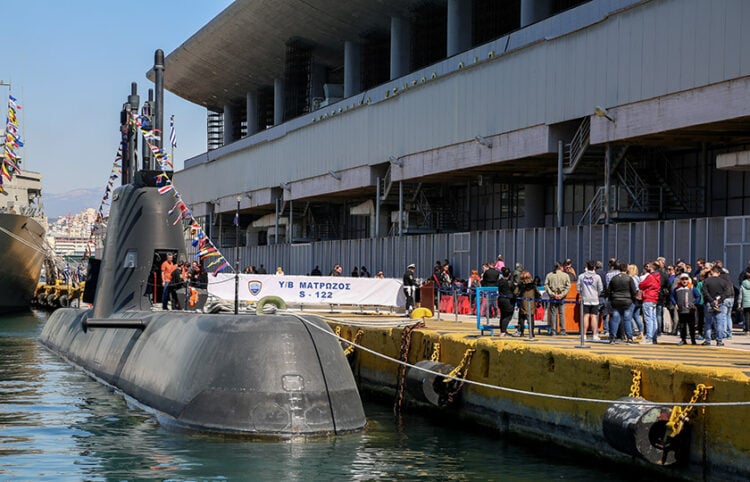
726,238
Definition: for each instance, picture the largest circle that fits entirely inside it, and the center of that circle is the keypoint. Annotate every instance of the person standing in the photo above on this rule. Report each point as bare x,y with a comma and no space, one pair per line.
528,294
728,299
166,275
590,287
650,286
261,270
622,292
684,298
505,299
714,291
638,304
409,287
745,300
176,279
557,285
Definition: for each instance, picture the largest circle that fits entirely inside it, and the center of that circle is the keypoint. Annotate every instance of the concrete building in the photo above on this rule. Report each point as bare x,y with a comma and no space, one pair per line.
367,132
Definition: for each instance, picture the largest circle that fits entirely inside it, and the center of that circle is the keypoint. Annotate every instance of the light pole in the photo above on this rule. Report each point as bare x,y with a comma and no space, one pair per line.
237,256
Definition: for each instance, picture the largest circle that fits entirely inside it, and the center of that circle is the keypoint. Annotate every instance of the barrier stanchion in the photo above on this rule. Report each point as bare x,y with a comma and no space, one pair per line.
455,303
487,293
437,288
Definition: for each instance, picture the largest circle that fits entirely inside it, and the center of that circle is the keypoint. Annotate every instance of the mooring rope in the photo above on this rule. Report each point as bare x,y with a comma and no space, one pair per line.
526,392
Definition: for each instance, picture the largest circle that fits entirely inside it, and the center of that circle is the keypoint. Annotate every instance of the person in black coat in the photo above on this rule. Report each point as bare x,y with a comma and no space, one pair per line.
490,277
505,299
409,287
621,291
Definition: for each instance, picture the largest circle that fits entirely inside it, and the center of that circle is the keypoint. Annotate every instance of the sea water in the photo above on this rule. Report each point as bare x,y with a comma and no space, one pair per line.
56,423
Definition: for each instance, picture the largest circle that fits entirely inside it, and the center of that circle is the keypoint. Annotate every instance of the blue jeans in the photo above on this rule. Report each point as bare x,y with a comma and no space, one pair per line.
165,296
624,314
727,305
649,319
714,323
659,319
637,311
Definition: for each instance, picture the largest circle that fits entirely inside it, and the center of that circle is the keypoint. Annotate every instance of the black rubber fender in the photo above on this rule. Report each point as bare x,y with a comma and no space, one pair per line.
640,430
272,300
428,387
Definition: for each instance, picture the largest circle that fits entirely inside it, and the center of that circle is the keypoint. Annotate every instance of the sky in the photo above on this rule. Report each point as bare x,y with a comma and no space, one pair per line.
70,65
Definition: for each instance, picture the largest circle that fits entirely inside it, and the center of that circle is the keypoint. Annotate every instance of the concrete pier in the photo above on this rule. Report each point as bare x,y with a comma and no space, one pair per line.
719,443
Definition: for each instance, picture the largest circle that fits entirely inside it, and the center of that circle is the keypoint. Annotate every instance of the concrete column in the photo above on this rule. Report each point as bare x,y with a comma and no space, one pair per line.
278,101
400,47
228,120
352,56
459,26
317,79
252,113
534,206
533,11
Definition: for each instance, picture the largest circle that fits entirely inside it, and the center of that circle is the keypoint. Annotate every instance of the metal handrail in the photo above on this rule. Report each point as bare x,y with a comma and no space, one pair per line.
632,182
579,143
595,208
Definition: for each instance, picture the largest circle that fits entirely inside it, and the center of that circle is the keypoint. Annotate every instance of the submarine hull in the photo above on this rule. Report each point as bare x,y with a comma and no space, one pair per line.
272,375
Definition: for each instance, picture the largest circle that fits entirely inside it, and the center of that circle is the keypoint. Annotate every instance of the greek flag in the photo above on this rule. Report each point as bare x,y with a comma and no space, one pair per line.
172,133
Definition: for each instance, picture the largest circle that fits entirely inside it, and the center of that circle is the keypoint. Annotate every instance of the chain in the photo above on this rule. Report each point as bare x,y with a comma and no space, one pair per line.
435,352
355,341
404,357
459,372
680,415
635,387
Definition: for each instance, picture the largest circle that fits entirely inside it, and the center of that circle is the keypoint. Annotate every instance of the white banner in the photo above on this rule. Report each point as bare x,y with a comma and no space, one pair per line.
337,290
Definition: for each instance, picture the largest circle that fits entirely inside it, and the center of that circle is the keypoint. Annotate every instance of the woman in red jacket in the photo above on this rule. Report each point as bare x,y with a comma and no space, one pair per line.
649,287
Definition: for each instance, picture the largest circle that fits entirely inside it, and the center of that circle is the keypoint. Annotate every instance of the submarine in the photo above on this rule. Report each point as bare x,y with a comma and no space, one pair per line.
255,374
268,375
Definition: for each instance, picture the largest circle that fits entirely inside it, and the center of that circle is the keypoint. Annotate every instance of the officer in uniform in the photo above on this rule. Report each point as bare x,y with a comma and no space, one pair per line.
409,287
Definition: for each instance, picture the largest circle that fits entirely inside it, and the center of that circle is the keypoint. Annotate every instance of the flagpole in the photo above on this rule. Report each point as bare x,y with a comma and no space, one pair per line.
237,256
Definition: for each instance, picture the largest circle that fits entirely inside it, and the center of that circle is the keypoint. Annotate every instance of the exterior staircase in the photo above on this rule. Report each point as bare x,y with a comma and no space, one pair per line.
645,189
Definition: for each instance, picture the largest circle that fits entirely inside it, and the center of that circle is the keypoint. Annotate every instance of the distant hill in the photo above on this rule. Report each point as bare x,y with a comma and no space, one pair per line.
72,202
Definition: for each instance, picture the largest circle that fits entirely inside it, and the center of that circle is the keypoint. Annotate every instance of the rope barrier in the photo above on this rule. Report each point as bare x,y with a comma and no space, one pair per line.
526,392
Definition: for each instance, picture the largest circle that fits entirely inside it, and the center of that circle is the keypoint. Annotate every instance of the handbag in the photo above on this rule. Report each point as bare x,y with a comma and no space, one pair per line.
639,295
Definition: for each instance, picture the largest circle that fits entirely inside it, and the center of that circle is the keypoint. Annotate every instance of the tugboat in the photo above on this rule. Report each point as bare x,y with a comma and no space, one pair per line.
278,375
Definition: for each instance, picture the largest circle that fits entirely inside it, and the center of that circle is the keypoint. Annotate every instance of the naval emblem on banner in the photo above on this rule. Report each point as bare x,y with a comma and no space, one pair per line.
254,286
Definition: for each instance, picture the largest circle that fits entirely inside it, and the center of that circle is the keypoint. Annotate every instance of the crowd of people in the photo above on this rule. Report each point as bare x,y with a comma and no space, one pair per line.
623,303
629,303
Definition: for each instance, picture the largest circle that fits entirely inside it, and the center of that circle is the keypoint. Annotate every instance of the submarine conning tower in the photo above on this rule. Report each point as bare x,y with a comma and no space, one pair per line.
140,233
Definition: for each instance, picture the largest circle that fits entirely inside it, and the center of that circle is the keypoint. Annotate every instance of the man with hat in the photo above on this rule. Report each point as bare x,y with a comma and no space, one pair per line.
684,297
409,287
